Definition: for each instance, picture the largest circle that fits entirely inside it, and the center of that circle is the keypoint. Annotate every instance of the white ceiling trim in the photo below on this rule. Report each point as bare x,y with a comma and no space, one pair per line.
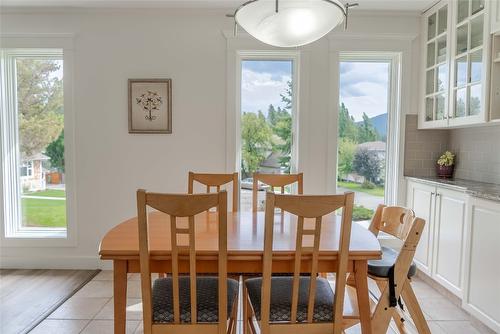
371,5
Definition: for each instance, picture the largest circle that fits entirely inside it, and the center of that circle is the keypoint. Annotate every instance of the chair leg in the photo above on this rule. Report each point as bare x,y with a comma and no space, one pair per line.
396,316
246,309
414,309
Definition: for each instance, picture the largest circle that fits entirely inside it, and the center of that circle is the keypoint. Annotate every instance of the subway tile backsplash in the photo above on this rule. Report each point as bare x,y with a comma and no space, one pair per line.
422,148
477,150
478,153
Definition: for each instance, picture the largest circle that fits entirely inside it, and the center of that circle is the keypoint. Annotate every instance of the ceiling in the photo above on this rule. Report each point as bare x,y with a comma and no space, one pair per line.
383,5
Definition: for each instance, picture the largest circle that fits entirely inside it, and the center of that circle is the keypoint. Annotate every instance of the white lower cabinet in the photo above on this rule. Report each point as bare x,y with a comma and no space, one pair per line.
420,198
440,252
460,246
449,239
482,295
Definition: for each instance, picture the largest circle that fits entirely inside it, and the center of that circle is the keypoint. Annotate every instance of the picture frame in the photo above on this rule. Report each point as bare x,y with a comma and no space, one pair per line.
150,106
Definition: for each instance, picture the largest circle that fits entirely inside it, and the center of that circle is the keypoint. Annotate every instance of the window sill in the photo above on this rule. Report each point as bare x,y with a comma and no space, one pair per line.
38,237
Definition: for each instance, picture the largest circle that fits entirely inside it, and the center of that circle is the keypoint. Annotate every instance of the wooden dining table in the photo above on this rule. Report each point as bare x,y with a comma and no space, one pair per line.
245,252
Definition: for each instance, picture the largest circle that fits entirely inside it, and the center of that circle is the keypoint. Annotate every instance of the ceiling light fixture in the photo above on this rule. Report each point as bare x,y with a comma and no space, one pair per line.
290,23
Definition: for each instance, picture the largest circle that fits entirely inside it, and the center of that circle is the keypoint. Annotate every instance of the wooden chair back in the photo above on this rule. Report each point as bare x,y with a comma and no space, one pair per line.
393,220
275,181
179,207
215,180
304,207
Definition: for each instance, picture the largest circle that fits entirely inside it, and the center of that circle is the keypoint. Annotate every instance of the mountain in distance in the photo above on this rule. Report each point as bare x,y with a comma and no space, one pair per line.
380,124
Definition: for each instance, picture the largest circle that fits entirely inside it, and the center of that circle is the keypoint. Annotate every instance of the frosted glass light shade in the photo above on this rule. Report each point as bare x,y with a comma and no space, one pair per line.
297,22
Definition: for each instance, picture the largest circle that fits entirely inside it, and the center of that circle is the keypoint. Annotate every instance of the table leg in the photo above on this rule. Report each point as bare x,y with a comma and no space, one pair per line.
120,295
361,276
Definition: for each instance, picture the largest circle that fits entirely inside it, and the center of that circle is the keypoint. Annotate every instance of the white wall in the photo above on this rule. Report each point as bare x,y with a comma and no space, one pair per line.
188,46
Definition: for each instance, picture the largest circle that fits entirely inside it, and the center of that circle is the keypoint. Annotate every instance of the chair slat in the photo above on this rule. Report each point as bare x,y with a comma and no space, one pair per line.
296,269
175,269
314,270
192,269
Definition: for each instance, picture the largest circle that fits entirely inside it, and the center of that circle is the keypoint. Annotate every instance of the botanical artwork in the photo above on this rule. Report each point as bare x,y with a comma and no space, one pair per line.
150,106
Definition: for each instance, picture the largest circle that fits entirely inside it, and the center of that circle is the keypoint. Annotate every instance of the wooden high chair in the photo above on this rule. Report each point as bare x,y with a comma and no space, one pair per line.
394,271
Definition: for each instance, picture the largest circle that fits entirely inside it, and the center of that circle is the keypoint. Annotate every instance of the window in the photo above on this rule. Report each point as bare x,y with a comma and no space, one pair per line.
367,148
33,153
267,120
27,169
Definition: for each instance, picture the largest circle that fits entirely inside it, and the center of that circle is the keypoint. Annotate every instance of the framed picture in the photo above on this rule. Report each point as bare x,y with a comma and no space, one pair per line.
150,105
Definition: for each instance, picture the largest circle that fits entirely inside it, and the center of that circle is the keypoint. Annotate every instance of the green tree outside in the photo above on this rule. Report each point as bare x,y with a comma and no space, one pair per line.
40,104
55,151
255,141
347,150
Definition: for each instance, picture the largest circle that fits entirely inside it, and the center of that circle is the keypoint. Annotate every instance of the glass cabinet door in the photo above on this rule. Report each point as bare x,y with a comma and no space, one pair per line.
468,59
436,66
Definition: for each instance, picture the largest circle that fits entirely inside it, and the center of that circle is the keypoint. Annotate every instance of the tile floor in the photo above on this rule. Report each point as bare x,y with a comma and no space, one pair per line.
90,311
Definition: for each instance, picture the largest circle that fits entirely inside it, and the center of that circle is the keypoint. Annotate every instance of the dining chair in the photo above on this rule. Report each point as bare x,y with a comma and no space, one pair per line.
215,180
300,303
275,180
183,302
394,271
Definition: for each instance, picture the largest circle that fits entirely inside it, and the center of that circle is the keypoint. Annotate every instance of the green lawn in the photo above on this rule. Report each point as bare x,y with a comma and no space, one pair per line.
43,212
377,191
47,193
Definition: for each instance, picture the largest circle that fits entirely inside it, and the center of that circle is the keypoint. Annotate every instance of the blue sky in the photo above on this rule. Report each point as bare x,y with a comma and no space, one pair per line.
363,86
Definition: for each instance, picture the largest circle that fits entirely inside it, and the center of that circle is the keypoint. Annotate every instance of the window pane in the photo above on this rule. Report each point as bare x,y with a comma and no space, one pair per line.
476,35
463,10
461,72
431,25
429,109
41,141
462,39
442,20
441,51
362,134
431,54
266,124
476,66
460,102
430,82
442,78
475,100
440,106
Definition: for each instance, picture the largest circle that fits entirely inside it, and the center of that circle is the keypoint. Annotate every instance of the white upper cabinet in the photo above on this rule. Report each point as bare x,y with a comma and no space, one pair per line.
436,39
495,16
457,55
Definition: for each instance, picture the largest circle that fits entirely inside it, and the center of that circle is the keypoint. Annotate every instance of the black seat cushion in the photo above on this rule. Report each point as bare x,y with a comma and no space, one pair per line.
206,299
380,268
281,299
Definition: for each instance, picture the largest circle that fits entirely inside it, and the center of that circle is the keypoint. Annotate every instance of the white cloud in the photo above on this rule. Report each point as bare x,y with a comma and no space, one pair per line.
364,88
260,89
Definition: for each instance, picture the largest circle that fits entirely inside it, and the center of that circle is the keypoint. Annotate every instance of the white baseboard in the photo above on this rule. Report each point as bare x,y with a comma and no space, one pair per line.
61,262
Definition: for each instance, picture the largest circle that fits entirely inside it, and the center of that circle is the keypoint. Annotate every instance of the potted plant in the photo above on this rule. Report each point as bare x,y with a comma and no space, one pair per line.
446,165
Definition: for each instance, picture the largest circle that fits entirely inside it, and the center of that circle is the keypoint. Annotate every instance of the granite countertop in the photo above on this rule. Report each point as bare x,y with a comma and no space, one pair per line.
490,191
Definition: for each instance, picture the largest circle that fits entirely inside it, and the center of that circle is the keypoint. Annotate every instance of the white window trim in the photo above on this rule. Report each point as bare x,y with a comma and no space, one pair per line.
240,43
11,233
399,45
393,112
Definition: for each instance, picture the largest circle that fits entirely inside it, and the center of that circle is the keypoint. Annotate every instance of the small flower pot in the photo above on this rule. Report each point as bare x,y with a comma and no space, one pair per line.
445,172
